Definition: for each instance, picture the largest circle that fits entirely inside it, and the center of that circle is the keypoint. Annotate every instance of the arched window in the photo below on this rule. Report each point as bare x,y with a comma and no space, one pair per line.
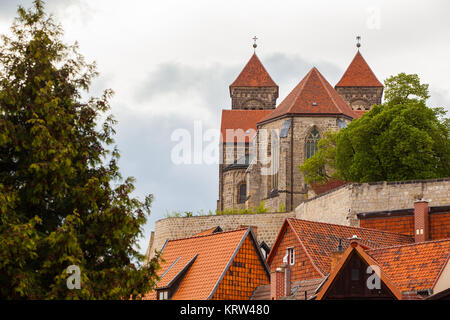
242,197
311,143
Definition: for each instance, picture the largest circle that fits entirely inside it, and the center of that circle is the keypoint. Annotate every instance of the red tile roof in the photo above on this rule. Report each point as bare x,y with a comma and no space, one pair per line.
359,74
212,254
254,75
313,95
413,267
233,120
209,231
319,240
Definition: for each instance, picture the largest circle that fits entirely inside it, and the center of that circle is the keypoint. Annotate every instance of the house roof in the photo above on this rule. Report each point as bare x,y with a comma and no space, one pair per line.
254,75
312,96
415,266
203,259
233,120
320,239
359,74
355,248
209,231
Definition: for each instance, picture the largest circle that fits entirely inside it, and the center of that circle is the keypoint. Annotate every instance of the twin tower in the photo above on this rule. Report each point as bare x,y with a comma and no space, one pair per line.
312,108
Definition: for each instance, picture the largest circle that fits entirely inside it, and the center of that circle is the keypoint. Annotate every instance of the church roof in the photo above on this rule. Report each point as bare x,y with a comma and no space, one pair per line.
233,120
312,96
359,74
254,75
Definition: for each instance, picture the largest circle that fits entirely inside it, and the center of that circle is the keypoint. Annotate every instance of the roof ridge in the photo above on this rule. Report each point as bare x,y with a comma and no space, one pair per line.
325,84
352,227
249,77
352,75
209,235
410,244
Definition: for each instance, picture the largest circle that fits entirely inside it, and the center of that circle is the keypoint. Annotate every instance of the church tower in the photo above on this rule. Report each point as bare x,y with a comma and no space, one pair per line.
253,89
359,86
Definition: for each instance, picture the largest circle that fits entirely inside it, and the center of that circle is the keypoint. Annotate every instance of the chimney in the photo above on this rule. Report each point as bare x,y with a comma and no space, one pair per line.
280,283
336,256
421,229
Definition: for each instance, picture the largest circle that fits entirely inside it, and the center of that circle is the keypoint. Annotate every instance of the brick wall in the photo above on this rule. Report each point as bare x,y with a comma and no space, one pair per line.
302,268
439,224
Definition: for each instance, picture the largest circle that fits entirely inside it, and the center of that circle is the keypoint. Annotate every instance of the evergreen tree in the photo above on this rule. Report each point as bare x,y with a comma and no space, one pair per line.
62,199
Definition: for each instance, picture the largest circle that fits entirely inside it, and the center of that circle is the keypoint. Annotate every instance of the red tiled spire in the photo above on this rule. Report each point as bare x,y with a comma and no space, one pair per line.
254,75
313,95
359,74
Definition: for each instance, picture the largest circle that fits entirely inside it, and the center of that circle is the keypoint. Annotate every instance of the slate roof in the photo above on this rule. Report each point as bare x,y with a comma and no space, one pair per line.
254,75
359,74
312,96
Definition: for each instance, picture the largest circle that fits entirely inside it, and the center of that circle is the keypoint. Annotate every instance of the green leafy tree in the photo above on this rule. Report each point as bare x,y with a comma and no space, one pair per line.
62,199
401,139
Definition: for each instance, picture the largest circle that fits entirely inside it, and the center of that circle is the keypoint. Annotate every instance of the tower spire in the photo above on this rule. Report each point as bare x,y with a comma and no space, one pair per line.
358,44
254,44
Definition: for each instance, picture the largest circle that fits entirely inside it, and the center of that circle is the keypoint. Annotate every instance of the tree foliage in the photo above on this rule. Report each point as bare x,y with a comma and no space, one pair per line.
401,139
62,199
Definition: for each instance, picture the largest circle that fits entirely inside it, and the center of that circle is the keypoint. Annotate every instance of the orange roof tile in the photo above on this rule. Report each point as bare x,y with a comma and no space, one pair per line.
313,95
320,239
413,267
208,231
212,254
233,120
359,74
254,75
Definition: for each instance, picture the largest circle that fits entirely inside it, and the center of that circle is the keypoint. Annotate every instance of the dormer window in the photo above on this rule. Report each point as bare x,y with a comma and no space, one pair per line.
163,295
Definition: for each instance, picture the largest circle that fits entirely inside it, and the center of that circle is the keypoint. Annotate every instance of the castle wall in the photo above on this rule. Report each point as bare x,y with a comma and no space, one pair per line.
268,225
341,205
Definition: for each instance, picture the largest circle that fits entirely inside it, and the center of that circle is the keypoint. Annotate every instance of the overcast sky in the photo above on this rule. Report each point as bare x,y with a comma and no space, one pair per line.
171,62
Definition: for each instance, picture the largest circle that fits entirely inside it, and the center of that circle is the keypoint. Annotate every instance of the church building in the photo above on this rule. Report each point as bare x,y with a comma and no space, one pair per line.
263,144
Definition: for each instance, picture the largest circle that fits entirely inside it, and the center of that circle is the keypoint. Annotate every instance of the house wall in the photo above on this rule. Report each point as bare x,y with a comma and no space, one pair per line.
244,275
302,269
443,282
439,224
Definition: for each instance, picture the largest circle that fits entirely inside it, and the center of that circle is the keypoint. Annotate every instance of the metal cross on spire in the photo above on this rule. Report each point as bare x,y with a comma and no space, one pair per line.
254,43
358,44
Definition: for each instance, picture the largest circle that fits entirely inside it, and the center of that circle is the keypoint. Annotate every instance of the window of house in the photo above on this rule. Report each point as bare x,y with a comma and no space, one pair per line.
163,295
242,193
311,143
291,256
